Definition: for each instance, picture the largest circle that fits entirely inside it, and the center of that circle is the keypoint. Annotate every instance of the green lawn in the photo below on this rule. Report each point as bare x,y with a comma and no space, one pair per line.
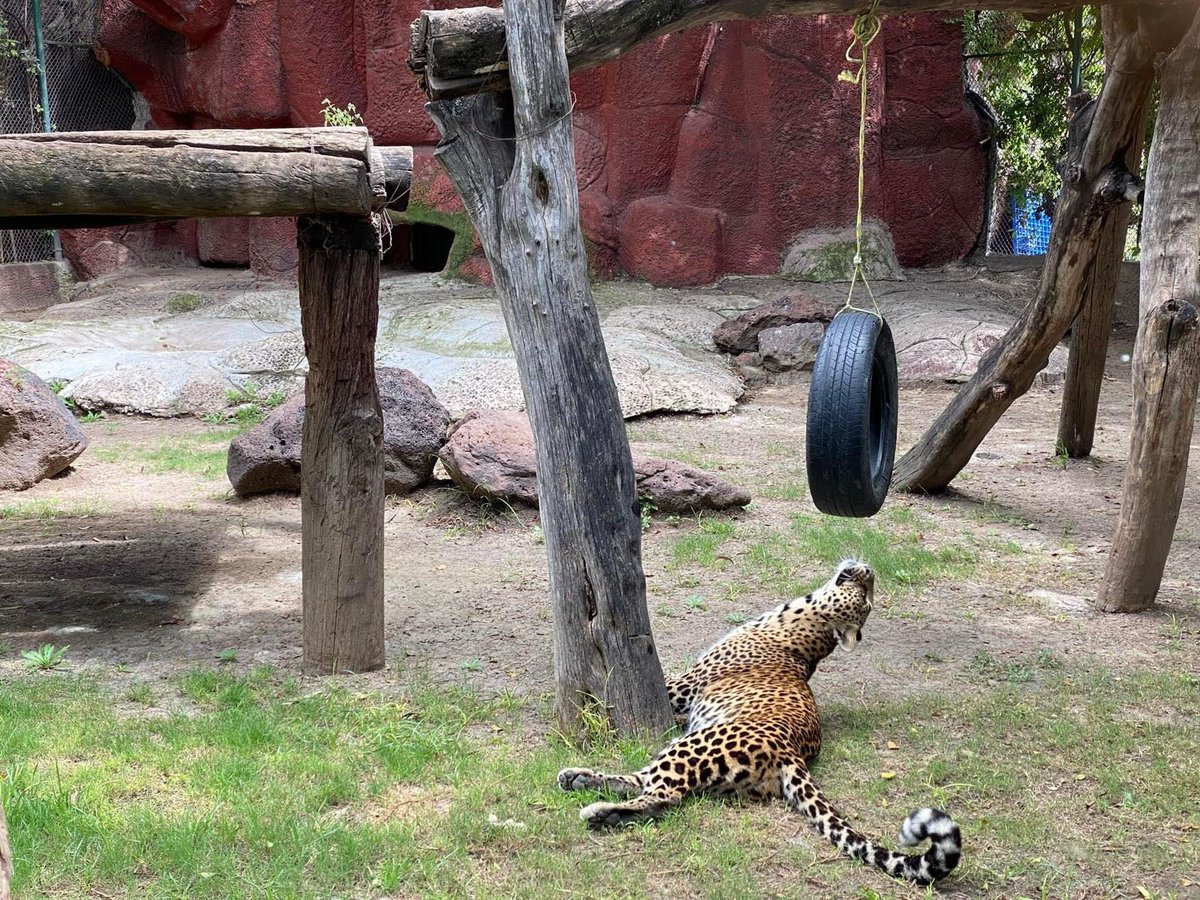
253,785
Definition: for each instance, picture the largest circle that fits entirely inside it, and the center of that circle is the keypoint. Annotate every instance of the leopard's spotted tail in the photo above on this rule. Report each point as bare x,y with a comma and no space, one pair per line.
803,795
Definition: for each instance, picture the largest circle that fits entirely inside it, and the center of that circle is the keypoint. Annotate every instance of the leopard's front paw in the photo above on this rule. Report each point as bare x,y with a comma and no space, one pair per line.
578,780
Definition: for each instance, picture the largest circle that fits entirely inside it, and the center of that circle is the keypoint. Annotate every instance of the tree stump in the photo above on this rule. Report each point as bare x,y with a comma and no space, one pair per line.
1166,358
341,470
512,159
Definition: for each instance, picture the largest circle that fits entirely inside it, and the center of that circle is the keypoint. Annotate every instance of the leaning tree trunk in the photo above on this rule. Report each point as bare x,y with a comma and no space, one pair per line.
1095,182
515,169
1093,325
1166,358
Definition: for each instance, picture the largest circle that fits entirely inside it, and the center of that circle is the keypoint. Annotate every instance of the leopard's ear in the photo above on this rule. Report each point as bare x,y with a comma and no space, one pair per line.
846,571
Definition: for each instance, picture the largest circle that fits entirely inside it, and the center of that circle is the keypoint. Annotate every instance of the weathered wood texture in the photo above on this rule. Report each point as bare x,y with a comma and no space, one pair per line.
1095,183
1093,326
5,859
456,52
512,159
52,179
341,487
1166,358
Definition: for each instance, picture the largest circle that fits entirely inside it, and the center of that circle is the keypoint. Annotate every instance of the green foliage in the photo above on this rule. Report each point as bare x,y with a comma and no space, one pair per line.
647,507
184,303
1025,71
336,115
45,657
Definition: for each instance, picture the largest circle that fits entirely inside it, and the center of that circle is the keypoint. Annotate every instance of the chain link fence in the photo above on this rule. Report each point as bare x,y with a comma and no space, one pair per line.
81,94
1018,221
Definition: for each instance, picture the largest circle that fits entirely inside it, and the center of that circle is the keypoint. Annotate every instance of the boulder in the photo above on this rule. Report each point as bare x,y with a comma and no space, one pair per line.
676,487
267,458
828,254
490,454
740,335
790,346
39,436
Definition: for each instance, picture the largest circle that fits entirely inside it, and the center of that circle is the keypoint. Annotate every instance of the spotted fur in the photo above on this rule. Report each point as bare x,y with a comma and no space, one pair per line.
752,730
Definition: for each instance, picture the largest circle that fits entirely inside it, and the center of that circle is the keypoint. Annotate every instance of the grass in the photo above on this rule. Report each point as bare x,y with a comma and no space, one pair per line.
700,546
203,454
261,786
49,508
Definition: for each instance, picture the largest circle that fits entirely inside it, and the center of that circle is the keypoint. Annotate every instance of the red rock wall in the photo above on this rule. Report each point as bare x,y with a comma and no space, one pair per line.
700,154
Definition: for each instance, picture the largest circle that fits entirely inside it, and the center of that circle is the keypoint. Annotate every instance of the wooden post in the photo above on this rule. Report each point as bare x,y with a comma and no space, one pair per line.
1093,325
515,168
1095,181
342,456
1166,358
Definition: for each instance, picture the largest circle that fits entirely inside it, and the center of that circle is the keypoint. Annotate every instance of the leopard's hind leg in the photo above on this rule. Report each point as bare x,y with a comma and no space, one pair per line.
740,764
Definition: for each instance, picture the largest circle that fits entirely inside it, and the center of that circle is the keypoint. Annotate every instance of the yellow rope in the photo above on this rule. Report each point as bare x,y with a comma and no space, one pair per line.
867,26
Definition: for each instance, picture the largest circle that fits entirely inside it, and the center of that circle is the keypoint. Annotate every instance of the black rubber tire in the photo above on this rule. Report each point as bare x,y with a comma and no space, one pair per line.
852,411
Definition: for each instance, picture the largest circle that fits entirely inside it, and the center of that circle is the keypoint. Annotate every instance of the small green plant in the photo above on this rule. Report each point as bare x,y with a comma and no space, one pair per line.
648,508
1061,458
184,303
56,385
44,658
242,393
228,655
339,116
471,665
90,418
736,618
694,602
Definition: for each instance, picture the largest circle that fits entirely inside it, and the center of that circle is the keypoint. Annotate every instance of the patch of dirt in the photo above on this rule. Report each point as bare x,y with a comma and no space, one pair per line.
160,572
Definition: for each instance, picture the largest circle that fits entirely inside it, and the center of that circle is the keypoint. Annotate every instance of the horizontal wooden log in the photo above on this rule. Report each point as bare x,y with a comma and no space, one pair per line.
84,179
456,52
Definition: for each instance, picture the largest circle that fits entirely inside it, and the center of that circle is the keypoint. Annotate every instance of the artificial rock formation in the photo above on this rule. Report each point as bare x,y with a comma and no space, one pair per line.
702,153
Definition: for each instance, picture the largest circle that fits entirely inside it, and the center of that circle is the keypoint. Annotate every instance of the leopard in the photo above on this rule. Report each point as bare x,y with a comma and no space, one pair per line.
750,728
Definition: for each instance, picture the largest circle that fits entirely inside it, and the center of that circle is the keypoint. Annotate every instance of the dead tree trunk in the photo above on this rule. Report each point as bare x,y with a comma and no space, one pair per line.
1093,325
512,159
1166,358
1095,182
341,469
457,52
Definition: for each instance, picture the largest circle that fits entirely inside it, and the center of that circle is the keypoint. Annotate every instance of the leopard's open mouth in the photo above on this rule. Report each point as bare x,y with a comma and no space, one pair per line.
848,637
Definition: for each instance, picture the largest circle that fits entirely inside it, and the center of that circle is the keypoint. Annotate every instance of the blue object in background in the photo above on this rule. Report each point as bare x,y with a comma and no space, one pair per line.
1030,226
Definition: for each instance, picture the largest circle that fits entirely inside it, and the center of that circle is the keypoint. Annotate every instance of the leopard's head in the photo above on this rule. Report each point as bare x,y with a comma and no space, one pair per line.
844,602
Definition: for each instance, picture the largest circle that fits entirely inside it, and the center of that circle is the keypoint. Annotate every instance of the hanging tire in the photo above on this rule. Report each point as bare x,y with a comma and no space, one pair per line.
852,410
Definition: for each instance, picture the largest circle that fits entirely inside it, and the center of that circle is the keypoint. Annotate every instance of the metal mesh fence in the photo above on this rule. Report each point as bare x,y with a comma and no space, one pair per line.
83,94
998,78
